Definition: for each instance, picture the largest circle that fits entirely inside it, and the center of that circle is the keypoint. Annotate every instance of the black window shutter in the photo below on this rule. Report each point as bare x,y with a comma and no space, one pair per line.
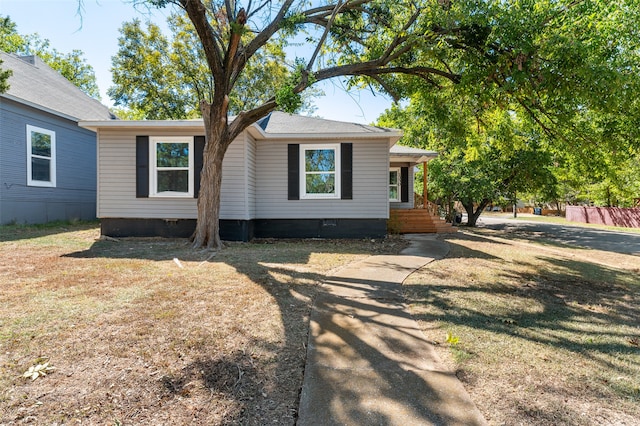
346,171
198,152
404,184
293,160
142,166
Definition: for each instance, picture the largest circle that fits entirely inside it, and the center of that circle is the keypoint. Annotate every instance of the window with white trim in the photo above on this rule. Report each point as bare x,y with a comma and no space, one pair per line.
171,167
320,171
41,157
394,184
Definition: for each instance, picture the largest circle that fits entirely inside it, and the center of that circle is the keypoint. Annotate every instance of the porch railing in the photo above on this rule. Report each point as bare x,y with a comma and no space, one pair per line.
431,207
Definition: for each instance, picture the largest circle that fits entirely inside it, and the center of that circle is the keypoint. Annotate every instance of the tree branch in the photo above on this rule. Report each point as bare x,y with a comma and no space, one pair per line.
212,49
265,35
250,13
247,118
325,34
395,95
388,55
230,10
324,11
372,68
237,25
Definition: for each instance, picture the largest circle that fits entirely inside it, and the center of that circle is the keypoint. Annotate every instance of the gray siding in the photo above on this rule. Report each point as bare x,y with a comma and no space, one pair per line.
234,202
117,180
410,204
74,196
370,180
251,165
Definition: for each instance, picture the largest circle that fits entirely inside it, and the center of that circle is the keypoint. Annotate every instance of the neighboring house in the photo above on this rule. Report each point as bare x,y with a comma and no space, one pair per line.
47,162
286,176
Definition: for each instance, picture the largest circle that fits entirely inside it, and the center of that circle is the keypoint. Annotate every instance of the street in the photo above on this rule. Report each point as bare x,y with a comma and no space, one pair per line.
574,235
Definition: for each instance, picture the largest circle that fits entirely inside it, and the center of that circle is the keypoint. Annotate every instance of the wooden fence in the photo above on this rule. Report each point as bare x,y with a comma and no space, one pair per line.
613,216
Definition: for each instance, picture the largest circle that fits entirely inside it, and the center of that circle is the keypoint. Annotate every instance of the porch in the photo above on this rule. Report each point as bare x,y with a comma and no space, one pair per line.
418,221
406,214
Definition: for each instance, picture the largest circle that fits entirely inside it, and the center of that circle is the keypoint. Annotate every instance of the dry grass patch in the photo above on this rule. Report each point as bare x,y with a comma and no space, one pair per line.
149,331
543,338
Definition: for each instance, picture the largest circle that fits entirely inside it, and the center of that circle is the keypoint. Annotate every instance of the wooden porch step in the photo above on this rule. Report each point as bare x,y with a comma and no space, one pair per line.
417,221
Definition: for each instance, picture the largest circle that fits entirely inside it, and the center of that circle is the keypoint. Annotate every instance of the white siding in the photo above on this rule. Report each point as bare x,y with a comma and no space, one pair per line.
370,185
117,181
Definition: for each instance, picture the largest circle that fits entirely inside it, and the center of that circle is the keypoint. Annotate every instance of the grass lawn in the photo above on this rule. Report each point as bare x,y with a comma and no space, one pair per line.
150,332
539,335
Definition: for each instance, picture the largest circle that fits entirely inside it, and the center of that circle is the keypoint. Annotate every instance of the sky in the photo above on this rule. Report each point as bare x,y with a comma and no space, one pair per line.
96,33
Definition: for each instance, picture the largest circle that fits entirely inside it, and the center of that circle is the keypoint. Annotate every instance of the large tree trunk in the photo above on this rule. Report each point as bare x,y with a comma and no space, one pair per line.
473,215
207,233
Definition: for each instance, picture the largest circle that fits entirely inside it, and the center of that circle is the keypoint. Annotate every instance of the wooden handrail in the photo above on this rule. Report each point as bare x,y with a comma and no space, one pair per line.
432,208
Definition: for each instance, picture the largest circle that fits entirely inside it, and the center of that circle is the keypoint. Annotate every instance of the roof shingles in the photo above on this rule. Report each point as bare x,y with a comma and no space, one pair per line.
283,123
36,84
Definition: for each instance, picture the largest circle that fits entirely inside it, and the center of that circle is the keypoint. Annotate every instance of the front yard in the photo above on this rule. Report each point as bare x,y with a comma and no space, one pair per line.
149,331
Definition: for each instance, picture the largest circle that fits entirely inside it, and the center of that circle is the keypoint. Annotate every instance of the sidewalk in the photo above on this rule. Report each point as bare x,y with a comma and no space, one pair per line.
368,362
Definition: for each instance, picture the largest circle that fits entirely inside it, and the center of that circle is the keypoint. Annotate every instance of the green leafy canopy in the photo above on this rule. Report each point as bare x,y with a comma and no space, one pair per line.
157,76
545,87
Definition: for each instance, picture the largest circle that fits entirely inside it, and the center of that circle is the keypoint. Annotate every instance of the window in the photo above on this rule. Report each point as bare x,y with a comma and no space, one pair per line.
394,184
319,171
171,167
41,157
329,171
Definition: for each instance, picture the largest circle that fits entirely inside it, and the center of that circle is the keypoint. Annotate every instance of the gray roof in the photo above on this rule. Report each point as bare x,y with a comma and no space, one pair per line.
276,125
403,153
282,123
36,84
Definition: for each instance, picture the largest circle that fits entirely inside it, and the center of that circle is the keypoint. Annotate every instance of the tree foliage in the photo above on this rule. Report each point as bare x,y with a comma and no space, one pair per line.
4,77
557,76
73,66
483,158
160,77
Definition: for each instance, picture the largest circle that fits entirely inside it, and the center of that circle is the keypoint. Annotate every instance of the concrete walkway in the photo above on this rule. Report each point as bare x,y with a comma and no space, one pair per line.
368,362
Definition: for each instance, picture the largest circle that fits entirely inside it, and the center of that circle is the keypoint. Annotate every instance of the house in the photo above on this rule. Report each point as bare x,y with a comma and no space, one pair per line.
286,176
47,162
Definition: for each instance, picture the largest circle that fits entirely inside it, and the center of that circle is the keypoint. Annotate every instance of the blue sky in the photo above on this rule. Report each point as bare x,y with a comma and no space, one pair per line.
96,34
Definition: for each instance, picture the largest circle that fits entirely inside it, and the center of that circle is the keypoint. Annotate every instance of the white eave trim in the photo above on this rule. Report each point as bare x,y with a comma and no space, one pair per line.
141,124
254,130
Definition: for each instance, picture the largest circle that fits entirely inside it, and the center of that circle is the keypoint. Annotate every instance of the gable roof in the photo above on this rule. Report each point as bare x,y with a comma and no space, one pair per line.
281,125
279,122
36,84
275,126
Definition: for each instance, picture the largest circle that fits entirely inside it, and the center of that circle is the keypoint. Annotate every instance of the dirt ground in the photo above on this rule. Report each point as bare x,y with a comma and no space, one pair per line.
151,332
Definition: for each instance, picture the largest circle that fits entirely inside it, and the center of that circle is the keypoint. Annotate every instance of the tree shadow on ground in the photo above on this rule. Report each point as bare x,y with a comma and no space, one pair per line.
391,359
558,305
260,394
